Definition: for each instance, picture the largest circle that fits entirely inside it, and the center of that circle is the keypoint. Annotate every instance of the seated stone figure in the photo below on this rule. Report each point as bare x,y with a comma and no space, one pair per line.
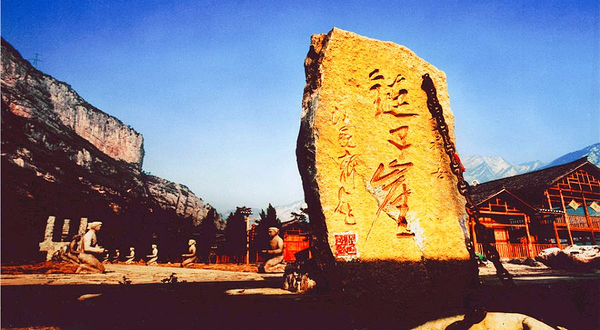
153,257
190,258
89,250
71,251
106,259
274,263
116,257
131,257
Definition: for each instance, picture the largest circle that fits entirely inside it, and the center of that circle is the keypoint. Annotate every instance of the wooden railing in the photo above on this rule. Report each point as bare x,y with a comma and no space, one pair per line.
577,221
580,221
510,250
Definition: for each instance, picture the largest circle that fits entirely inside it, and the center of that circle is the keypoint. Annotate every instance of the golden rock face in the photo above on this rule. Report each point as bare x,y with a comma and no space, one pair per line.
377,181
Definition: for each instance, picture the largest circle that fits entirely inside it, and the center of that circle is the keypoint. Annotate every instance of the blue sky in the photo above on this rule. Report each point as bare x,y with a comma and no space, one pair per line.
215,87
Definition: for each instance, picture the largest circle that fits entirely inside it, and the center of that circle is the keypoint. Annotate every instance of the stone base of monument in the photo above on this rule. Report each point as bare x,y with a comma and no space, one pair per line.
406,291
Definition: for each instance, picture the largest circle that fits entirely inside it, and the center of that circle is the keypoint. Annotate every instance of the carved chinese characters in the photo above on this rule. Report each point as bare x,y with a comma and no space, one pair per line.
390,100
348,161
370,159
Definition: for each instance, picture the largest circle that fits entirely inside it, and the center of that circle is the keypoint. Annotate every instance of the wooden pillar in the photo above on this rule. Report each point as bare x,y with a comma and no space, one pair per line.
549,201
589,220
556,235
553,223
529,244
562,201
247,240
473,234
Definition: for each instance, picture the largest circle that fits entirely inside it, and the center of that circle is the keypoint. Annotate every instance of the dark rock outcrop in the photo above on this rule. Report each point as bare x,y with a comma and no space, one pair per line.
62,156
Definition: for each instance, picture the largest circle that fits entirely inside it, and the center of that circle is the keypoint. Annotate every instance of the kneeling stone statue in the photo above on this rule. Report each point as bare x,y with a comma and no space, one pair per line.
89,250
275,263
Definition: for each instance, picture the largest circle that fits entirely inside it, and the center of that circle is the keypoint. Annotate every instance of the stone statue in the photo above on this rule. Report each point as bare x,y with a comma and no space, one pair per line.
106,258
131,256
153,257
275,263
117,256
89,250
71,252
190,258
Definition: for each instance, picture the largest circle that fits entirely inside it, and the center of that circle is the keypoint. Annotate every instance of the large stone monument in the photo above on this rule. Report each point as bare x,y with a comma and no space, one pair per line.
381,195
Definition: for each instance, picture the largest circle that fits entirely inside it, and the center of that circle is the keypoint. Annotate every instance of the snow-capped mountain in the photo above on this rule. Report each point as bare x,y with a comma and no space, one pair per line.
284,212
592,152
483,169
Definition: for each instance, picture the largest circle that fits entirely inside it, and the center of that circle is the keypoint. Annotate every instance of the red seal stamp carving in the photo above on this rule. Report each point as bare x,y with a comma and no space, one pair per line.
345,245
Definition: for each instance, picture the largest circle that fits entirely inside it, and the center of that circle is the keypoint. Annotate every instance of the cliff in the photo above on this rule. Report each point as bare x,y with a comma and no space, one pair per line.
30,93
62,156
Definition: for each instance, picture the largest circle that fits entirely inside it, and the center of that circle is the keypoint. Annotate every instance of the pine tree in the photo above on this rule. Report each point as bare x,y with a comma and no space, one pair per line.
267,219
300,216
235,234
208,235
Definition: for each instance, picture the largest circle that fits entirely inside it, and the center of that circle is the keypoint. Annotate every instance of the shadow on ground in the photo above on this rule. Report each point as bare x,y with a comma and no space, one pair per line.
571,303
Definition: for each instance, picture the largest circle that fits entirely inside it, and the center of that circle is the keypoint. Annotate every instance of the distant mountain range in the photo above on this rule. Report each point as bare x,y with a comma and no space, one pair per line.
592,152
483,168
284,212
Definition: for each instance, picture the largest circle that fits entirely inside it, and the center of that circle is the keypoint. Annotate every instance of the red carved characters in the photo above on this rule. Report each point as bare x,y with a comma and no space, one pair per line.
348,163
399,140
391,99
397,198
345,245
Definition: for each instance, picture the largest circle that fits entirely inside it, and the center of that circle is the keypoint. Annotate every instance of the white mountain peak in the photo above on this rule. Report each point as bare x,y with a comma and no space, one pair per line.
486,168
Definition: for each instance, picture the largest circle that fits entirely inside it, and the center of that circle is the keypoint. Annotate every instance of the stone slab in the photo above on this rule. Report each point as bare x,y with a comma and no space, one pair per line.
374,170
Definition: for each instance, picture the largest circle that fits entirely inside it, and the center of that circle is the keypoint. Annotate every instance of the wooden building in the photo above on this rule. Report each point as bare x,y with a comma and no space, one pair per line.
296,237
553,207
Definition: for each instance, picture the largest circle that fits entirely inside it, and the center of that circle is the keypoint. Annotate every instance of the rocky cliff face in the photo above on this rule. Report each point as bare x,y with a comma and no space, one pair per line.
62,156
31,93
178,198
